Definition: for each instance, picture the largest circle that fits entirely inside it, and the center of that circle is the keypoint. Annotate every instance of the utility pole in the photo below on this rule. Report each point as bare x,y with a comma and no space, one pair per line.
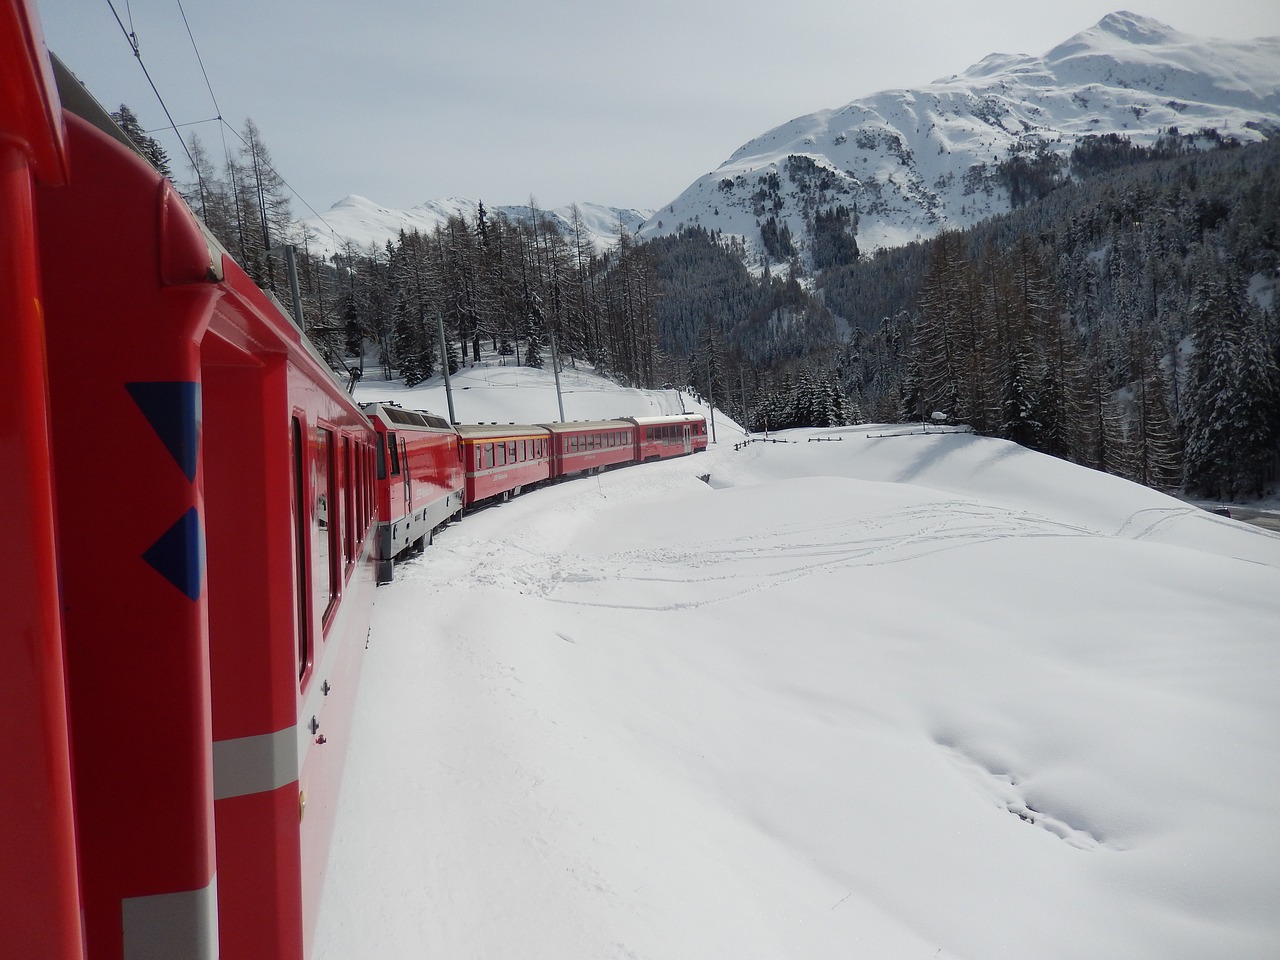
555,367
444,365
711,398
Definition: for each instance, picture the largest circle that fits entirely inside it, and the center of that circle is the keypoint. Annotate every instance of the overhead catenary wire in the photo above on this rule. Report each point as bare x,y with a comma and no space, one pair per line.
135,47
132,37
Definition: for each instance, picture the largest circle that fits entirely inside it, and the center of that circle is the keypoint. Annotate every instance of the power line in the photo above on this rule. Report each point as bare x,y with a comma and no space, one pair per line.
132,37
137,53
199,59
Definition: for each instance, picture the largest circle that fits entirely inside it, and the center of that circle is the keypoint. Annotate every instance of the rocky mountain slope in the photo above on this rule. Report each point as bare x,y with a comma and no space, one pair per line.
916,161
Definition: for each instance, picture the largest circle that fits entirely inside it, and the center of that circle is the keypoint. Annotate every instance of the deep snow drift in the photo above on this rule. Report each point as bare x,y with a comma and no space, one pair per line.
914,696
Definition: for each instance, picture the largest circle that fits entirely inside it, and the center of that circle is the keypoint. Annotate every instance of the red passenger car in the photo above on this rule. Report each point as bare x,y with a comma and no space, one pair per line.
500,461
669,436
213,492
420,483
40,913
587,446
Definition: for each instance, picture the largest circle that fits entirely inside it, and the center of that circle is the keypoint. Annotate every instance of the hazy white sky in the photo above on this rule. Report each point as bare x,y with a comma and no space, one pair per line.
569,100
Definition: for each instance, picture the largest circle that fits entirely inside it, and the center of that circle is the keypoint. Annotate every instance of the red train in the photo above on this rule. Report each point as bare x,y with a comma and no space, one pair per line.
498,462
419,472
188,500
195,514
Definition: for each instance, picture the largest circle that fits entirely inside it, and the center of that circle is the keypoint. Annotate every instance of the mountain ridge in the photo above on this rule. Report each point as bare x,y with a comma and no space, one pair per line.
364,223
914,161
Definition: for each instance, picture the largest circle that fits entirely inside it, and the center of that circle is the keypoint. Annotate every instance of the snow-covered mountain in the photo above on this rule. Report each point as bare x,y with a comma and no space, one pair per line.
366,224
915,161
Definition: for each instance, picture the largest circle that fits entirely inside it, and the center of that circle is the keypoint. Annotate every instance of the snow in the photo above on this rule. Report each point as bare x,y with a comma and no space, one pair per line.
928,695
902,155
366,225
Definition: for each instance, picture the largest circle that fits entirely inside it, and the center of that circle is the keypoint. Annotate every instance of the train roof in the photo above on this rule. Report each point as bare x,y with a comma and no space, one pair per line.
669,418
397,415
577,426
500,431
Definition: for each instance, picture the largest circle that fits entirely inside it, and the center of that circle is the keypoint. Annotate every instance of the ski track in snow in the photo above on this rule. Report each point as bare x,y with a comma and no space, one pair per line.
940,778
761,559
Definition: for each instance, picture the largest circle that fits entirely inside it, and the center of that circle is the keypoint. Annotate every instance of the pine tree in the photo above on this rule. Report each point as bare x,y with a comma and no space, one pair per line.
1103,439
147,145
937,351
408,345
209,195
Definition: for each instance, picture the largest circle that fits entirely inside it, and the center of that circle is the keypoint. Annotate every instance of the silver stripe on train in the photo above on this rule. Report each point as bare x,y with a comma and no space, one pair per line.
258,764
168,925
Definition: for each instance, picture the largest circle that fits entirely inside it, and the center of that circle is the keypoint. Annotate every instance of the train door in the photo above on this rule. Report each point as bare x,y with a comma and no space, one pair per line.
262,503
408,478
688,439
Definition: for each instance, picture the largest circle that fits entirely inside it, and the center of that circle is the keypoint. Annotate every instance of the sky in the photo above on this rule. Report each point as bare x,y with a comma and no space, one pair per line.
903,696
573,101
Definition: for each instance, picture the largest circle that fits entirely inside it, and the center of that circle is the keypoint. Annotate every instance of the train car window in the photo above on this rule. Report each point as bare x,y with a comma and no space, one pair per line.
300,548
360,485
511,452
369,492
382,457
325,557
348,502
393,449
355,479
501,450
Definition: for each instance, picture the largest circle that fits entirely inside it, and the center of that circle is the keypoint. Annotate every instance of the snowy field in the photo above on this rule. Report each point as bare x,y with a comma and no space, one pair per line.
927,696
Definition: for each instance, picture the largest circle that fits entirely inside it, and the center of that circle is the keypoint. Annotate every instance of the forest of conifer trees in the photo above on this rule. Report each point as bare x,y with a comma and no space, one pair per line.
1125,320
1121,317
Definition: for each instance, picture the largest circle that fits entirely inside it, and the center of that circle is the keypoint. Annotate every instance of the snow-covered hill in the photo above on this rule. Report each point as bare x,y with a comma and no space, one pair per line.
915,161
365,224
904,697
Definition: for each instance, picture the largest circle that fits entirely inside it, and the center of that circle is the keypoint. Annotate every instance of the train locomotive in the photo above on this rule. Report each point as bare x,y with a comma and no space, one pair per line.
196,514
